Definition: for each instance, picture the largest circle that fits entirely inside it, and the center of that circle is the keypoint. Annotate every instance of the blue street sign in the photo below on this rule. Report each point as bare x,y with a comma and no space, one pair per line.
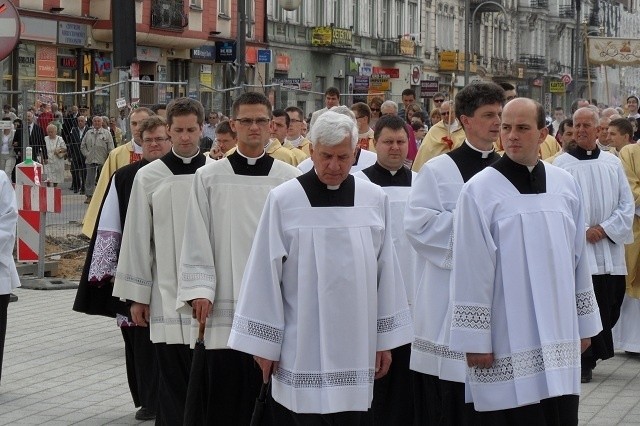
264,55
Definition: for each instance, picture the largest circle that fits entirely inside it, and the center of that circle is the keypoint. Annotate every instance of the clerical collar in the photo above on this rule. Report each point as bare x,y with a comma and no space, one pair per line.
251,160
526,181
470,160
136,148
484,154
295,142
321,195
186,160
385,177
453,126
582,154
179,166
242,165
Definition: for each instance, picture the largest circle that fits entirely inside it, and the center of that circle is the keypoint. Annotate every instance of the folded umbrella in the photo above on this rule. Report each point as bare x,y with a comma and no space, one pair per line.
194,407
259,406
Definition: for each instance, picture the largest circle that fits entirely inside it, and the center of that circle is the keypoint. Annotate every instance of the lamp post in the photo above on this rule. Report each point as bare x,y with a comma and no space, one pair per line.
470,28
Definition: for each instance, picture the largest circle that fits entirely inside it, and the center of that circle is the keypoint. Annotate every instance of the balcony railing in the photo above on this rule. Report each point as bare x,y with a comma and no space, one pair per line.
500,66
534,62
566,11
168,15
539,4
582,72
392,48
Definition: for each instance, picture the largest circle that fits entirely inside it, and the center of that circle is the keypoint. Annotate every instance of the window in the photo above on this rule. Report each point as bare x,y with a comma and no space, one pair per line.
400,27
195,3
223,7
413,18
337,13
372,18
386,22
320,13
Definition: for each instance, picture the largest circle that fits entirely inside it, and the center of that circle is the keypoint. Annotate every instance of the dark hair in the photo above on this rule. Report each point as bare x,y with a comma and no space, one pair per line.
157,107
564,123
574,104
152,123
558,109
506,86
634,97
362,109
417,126
332,91
185,106
439,94
224,128
474,95
409,92
250,98
623,125
392,122
377,100
282,113
297,110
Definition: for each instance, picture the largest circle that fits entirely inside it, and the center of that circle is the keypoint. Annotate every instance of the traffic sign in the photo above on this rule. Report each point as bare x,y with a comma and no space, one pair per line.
566,79
9,28
264,56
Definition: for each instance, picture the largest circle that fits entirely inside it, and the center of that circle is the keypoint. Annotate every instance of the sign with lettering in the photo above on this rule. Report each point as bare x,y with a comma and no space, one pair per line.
67,62
428,88
341,37
204,52
290,83
265,55
380,83
225,52
46,61
556,87
391,72
72,33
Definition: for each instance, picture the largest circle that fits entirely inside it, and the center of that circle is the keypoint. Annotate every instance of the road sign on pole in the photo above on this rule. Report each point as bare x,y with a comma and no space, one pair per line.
9,28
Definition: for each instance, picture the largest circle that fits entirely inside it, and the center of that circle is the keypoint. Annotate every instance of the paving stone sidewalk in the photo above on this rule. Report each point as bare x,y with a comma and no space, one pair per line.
64,368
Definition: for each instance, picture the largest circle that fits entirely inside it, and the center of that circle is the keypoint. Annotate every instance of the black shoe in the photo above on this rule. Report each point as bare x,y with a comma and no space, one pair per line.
72,188
82,192
13,298
587,375
632,353
145,414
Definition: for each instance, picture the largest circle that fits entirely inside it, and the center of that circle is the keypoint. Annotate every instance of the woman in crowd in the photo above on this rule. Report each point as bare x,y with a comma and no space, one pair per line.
56,151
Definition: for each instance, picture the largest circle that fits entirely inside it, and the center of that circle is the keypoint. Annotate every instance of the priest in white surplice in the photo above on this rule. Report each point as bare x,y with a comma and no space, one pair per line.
609,210
392,394
439,372
322,300
147,272
227,197
523,302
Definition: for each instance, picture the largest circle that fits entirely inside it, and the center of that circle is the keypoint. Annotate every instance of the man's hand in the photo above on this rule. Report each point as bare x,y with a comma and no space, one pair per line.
584,344
480,360
201,309
140,314
595,234
267,366
383,362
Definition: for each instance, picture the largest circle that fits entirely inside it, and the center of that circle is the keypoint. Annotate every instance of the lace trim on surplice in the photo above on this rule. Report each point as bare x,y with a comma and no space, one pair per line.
105,256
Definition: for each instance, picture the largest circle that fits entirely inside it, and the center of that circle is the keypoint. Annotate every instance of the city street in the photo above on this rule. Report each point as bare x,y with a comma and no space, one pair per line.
62,368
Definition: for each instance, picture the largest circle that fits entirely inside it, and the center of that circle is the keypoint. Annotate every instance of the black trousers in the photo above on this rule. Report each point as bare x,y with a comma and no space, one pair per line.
558,411
78,173
441,402
174,365
4,304
142,367
609,291
284,417
392,394
233,384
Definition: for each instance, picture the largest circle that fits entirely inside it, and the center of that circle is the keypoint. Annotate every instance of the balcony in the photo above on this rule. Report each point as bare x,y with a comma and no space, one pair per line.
534,62
168,15
566,11
396,48
500,67
582,72
539,4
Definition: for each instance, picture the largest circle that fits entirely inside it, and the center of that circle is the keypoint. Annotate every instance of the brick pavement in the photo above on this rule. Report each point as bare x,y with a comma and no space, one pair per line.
64,368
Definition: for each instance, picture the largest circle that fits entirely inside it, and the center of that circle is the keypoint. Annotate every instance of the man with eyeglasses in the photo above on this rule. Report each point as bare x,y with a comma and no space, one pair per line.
94,296
222,215
441,138
120,156
438,99
296,127
147,272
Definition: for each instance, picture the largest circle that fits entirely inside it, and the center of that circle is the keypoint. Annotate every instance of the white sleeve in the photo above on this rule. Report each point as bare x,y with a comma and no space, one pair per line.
106,249
473,278
619,225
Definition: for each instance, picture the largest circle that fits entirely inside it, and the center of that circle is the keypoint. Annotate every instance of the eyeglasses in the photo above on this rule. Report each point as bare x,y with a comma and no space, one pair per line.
248,122
438,100
375,109
444,112
156,140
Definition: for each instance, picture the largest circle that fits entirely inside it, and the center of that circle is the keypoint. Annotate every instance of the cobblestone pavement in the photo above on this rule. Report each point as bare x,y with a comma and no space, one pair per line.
63,368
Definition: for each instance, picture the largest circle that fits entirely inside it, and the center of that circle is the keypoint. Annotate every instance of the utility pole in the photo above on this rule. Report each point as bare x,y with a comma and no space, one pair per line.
242,42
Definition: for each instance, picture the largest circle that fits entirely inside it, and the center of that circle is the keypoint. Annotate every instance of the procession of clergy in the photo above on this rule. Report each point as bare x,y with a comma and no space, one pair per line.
479,289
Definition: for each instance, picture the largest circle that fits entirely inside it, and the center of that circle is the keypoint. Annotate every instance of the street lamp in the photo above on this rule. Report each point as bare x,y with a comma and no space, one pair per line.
470,28
290,5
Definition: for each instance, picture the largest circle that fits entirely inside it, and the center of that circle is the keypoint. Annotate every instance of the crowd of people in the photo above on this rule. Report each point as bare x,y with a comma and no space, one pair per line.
372,264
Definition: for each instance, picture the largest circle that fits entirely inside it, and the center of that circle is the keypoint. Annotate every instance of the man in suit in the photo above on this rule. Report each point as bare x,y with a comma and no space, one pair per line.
36,139
78,168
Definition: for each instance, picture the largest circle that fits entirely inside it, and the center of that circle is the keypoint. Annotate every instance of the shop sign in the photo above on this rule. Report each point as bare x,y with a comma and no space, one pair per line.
448,60
366,69
225,52
207,53
305,85
391,72
283,62
428,88
72,33
289,83
149,54
103,65
380,82
265,55
341,37
556,87
407,47
46,61
251,55
67,62
321,36
360,84
38,29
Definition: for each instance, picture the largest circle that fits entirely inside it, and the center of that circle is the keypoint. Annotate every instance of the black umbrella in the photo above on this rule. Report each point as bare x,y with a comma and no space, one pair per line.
259,407
194,408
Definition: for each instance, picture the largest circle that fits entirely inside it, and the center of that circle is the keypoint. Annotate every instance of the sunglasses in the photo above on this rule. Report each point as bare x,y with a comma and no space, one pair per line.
438,100
375,109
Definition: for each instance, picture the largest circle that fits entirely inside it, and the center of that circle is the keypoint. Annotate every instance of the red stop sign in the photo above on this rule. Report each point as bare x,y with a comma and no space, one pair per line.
9,28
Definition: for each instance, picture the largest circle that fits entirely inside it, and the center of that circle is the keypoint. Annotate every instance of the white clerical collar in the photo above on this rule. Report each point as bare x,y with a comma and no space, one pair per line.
295,142
485,154
186,160
532,167
250,160
636,115
329,187
136,148
455,125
